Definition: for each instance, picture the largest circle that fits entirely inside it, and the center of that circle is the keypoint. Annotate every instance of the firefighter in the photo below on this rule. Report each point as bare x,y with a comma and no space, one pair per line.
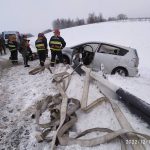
24,50
13,47
56,45
45,44
39,44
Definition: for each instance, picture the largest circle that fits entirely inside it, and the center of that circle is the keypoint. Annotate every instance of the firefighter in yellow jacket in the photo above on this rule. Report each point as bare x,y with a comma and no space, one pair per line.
13,47
41,50
56,45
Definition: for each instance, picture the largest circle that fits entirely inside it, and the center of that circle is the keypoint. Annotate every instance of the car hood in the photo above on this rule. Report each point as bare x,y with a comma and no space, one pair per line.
67,49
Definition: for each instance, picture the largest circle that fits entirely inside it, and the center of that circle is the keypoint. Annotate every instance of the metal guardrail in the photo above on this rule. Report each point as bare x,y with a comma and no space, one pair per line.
63,116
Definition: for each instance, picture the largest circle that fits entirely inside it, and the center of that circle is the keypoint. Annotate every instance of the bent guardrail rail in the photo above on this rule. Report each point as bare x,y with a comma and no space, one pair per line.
135,104
63,117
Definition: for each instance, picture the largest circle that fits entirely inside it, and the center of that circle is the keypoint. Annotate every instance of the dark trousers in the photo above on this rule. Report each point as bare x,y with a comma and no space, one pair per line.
46,52
53,57
14,57
42,57
25,59
2,48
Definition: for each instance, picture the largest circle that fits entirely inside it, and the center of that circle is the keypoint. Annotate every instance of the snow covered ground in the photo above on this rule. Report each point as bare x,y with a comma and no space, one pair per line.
20,91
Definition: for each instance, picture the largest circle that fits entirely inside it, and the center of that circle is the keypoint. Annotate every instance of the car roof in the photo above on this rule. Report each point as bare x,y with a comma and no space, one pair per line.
99,42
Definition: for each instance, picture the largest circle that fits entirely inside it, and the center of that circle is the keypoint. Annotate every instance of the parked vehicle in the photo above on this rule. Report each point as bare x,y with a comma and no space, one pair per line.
115,58
6,35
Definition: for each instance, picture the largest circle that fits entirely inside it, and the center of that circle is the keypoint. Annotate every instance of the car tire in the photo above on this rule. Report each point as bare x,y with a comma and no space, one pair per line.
66,60
121,71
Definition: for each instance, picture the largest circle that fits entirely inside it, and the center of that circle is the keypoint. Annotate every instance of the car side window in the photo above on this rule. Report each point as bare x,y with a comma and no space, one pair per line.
91,47
94,46
113,50
122,52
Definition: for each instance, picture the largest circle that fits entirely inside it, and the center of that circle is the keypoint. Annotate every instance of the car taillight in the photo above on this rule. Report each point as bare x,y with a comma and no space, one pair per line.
136,60
136,63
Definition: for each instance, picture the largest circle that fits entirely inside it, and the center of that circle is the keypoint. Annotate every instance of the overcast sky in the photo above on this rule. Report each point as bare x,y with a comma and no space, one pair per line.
37,15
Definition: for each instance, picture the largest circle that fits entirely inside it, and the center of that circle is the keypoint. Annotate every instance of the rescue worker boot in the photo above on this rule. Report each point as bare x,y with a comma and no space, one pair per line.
27,66
26,61
41,63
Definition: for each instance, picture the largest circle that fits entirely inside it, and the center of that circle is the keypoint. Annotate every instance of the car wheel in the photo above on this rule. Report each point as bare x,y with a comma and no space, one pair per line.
66,60
121,71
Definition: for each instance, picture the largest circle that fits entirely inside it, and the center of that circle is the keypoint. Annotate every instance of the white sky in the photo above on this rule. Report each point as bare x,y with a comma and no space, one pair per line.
37,15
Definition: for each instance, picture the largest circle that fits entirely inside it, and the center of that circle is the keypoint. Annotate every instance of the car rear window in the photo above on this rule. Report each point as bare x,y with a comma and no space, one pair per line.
122,52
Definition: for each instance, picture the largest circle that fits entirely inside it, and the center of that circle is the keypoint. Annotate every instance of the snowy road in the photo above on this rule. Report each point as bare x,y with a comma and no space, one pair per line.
14,125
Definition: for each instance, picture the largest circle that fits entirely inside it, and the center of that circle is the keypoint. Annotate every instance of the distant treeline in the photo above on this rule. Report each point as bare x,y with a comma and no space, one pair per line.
92,18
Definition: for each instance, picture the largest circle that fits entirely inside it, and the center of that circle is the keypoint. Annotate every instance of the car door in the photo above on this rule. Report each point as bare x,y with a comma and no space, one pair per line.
85,48
108,56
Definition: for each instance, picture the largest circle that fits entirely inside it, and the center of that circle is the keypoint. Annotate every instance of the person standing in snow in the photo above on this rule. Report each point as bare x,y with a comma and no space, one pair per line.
24,50
45,43
2,45
56,44
41,49
13,47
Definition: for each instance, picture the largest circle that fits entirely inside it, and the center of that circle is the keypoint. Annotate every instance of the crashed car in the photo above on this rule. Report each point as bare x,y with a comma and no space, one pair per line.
114,58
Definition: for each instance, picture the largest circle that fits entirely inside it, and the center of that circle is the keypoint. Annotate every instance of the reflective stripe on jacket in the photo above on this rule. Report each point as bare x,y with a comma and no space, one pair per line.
12,45
56,43
39,44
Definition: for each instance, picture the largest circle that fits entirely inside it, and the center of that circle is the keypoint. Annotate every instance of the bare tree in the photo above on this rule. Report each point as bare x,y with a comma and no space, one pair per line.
79,22
67,23
122,17
112,19
91,18
56,24
100,18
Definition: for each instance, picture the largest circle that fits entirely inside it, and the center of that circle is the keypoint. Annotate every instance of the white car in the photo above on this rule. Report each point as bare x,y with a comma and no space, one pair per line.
115,58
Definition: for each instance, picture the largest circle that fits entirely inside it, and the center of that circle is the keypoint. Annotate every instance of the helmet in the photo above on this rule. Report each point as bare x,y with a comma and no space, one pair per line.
40,35
56,31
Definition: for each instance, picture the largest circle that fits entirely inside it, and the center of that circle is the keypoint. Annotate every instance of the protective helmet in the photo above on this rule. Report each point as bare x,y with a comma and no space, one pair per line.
56,31
40,35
